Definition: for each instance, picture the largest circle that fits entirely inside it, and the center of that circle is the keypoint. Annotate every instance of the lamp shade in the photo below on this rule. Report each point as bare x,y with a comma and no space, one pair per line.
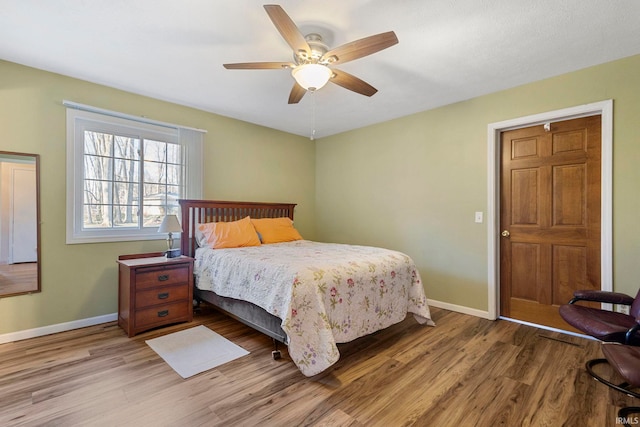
311,76
170,224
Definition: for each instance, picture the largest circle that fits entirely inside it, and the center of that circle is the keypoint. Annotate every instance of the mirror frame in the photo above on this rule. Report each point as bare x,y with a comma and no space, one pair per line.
36,157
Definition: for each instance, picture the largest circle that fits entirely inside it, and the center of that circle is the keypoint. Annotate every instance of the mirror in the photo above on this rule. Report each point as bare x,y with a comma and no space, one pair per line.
19,223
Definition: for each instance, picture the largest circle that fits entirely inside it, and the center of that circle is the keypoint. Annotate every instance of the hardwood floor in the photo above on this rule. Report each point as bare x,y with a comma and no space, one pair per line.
465,371
16,278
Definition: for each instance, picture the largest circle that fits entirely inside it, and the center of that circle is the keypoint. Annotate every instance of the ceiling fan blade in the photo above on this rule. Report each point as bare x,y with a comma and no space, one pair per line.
352,83
297,92
287,28
259,66
359,48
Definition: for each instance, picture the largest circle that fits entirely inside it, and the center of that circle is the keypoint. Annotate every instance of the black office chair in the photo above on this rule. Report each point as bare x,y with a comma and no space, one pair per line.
604,325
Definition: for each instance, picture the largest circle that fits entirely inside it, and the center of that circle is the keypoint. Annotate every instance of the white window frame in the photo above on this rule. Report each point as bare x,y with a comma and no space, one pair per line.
80,118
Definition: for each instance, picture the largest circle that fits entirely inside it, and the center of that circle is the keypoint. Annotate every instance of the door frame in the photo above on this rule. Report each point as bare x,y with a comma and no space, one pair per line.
494,130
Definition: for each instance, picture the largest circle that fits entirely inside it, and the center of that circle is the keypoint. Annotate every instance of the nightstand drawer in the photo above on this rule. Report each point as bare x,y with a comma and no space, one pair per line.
162,295
153,291
151,277
162,314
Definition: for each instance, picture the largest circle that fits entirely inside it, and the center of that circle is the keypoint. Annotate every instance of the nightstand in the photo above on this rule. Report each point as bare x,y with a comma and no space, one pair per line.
154,291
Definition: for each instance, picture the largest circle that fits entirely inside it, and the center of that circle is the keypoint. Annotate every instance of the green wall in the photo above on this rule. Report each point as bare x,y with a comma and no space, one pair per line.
411,184
242,162
414,183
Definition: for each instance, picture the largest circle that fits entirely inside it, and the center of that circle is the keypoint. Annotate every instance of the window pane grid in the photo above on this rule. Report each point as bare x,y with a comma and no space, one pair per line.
112,170
162,179
115,169
111,196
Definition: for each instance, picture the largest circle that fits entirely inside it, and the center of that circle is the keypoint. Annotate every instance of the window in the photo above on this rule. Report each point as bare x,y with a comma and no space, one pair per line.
125,174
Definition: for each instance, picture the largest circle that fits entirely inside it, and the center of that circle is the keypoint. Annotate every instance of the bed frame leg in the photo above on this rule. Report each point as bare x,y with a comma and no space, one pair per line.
195,304
276,353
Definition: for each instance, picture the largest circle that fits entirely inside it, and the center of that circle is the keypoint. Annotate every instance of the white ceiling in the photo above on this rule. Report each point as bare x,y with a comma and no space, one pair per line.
449,50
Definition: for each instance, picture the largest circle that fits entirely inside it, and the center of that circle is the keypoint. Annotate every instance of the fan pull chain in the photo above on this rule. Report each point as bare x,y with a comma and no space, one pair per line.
313,116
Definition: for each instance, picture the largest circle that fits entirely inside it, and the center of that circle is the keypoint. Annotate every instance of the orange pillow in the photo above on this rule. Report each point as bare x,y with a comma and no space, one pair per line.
233,234
276,230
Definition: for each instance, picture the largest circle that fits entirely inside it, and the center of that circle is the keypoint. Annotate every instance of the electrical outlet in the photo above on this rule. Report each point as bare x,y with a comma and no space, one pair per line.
624,309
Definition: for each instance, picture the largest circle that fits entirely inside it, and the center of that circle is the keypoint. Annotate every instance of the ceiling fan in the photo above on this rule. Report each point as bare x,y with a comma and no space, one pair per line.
313,61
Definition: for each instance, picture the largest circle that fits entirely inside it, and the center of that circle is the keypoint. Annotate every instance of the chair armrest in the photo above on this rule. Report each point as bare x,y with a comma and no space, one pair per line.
602,296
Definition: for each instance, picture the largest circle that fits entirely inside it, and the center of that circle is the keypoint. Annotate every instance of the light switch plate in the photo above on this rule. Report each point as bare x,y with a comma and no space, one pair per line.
479,217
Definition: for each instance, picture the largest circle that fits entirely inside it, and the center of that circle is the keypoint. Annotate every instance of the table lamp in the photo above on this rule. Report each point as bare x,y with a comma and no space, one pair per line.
170,224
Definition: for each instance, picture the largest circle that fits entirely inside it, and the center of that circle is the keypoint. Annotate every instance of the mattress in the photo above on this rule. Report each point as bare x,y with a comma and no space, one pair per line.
324,293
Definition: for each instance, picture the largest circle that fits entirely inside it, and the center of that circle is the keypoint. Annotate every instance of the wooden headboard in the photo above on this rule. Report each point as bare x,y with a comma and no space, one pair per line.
196,212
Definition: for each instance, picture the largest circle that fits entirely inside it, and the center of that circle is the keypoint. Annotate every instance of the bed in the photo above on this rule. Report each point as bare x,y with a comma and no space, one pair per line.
308,295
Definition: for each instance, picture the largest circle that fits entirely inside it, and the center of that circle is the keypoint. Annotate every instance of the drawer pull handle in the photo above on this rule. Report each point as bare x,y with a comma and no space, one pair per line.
163,278
163,295
163,313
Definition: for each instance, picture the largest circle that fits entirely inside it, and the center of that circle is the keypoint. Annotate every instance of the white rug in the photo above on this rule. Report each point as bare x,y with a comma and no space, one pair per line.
195,350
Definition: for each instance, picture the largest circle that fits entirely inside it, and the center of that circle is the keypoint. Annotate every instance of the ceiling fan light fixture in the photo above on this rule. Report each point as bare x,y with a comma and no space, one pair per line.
311,76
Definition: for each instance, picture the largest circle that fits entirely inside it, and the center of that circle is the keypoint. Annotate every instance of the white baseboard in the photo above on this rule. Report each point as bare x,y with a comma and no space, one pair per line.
459,309
60,327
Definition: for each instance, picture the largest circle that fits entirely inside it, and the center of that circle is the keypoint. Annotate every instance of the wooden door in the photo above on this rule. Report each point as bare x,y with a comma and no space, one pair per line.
549,218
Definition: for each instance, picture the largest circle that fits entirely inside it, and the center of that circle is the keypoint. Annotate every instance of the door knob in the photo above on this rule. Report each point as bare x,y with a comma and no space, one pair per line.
505,233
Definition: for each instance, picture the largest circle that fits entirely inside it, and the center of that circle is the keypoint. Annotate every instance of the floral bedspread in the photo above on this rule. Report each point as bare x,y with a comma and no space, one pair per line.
325,293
